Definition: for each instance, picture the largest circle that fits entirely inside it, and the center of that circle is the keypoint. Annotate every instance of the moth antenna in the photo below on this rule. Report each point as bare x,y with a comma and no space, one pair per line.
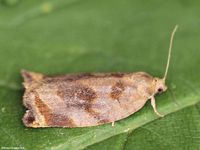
169,52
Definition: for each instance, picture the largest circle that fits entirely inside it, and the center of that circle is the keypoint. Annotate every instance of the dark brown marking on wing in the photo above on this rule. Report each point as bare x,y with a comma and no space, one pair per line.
52,119
118,75
86,93
117,90
98,116
29,118
72,77
42,107
88,108
79,91
60,121
65,92
75,77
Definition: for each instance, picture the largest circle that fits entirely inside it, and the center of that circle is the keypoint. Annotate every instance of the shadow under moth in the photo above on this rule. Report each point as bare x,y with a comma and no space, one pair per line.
90,99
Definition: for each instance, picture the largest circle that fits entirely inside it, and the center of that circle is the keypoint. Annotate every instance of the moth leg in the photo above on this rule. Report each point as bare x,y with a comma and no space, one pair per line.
153,104
113,124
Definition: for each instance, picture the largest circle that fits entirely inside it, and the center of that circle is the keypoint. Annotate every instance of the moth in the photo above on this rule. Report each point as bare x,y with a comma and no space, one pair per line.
90,99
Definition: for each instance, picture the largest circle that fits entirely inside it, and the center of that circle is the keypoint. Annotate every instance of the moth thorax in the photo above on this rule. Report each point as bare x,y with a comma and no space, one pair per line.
159,85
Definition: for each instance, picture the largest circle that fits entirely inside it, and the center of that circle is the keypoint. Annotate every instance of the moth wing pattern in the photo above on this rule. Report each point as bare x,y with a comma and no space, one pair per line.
82,100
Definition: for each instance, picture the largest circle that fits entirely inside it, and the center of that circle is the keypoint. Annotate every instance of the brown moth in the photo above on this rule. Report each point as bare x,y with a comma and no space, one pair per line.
82,100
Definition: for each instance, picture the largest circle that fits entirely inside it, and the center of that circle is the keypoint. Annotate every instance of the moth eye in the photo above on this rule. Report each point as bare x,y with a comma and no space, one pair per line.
160,90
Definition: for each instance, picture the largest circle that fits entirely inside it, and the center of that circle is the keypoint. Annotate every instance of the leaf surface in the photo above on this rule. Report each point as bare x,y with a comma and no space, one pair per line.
65,36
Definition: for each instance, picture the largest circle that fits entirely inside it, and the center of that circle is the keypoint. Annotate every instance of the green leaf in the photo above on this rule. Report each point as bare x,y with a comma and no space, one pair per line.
64,36
177,131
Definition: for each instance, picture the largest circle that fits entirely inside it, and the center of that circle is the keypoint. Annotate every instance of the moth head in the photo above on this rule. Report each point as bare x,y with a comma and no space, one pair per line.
159,85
